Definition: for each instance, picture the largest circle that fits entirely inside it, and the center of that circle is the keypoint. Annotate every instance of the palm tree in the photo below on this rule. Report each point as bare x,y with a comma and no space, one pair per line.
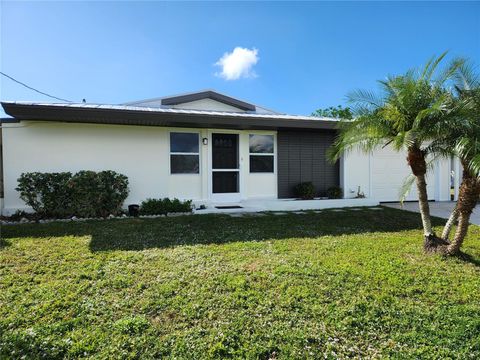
408,114
461,138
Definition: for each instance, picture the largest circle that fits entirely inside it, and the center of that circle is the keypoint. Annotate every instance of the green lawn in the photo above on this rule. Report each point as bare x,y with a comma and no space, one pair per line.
329,285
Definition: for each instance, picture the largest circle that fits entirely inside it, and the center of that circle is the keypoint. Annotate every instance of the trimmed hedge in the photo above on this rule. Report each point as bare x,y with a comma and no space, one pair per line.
164,206
305,190
84,194
335,192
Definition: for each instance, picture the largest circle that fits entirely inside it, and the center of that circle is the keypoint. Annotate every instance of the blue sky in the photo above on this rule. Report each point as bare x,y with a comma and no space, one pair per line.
309,55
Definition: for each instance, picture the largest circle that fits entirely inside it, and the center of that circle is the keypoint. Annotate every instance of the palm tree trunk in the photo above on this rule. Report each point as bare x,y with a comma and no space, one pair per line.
460,234
467,200
449,225
423,205
418,164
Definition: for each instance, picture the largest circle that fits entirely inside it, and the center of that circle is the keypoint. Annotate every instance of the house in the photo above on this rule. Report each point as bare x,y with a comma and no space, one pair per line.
204,146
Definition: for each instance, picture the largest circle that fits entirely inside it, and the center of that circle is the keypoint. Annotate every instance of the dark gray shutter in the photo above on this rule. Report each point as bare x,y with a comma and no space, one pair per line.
302,158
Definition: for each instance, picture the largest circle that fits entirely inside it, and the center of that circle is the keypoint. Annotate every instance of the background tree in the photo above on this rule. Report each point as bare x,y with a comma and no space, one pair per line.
407,114
338,112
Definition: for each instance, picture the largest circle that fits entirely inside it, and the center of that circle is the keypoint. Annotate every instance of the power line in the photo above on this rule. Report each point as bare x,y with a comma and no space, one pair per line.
31,88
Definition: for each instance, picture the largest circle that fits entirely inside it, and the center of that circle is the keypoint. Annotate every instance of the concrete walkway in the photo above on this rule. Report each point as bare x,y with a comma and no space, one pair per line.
282,205
441,209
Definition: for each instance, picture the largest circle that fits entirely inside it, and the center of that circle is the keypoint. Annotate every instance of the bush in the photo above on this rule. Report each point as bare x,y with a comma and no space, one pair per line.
49,194
99,194
305,191
19,215
164,206
335,192
84,194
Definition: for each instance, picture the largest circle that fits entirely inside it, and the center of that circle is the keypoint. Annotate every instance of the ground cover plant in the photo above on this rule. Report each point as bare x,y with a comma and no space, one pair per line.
165,206
336,284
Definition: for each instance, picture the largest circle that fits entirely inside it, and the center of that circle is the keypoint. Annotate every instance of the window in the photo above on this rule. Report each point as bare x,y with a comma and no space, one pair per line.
261,153
184,153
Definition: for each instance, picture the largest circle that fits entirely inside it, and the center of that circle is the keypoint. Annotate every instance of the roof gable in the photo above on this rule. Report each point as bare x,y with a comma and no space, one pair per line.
207,105
208,94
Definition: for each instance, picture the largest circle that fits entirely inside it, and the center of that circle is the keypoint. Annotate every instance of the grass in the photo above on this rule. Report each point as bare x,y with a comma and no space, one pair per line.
328,285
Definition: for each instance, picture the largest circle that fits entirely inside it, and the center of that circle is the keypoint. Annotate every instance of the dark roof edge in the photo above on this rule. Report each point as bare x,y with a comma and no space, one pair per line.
175,100
151,118
9,120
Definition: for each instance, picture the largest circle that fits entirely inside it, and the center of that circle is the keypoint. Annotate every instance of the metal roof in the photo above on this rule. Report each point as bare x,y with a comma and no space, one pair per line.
154,116
168,101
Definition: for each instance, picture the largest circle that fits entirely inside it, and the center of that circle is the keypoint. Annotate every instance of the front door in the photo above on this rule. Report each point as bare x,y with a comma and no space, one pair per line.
225,168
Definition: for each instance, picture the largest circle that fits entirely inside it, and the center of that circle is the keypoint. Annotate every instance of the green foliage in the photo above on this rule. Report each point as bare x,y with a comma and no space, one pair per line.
132,325
335,285
164,206
410,111
48,194
334,112
84,194
335,192
18,215
461,136
305,191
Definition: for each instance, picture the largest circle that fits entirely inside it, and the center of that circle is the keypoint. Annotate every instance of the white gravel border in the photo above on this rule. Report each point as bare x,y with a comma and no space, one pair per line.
74,218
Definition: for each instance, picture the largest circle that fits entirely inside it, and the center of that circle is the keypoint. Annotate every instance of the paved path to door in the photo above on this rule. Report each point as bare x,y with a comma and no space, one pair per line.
441,209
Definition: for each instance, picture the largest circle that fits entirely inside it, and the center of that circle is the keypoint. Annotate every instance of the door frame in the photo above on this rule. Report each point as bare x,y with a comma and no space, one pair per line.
225,197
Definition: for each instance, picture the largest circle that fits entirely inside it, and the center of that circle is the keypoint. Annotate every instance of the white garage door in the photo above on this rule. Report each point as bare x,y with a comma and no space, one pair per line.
389,171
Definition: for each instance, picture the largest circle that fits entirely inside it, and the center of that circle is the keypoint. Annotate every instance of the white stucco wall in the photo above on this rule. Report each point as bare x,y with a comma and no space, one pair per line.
141,153
355,173
381,173
258,185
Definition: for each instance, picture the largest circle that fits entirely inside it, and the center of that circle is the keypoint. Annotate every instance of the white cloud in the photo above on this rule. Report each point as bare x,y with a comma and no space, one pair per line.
238,64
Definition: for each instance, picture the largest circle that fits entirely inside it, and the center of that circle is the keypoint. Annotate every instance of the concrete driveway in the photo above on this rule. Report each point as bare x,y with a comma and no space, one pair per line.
441,209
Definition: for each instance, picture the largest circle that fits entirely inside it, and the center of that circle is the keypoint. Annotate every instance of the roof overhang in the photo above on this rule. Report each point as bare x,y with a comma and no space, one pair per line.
129,115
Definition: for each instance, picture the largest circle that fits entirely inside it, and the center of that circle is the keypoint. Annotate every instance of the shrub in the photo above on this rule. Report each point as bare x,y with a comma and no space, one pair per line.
335,192
164,206
49,194
305,190
84,194
99,194
18,215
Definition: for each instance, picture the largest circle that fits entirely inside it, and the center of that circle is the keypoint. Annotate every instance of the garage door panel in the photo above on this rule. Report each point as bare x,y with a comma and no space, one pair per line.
389,169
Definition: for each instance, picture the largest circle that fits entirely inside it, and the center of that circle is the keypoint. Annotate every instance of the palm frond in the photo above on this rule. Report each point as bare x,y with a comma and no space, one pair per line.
406,187
416,109
431,67
474,166
364,97
449,71
466,76
365,133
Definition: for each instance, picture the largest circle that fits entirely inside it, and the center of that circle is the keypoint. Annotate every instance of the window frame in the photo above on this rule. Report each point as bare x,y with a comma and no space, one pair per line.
183,153
272,154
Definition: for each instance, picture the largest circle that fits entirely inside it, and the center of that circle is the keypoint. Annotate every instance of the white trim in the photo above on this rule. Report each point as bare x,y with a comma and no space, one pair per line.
437,171
170,153
457,167
341,175
224,197
370,176
273,154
